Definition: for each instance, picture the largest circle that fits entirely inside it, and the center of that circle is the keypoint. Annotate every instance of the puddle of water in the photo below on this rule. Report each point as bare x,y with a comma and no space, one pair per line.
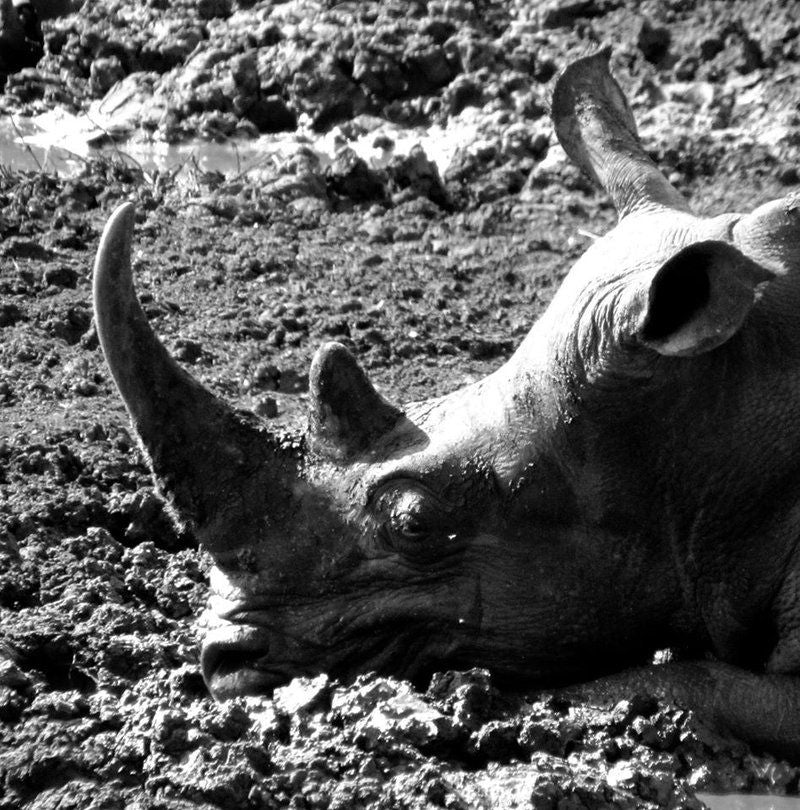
59,141
741,802
25,147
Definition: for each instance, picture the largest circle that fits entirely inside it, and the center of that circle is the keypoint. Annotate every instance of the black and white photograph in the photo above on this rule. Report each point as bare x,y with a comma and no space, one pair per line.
399,404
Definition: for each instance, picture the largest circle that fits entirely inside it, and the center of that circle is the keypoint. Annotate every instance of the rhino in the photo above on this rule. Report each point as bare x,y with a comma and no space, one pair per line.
628,481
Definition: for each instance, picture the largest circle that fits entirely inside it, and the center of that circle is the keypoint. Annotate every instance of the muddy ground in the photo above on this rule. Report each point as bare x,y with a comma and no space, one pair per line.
431,277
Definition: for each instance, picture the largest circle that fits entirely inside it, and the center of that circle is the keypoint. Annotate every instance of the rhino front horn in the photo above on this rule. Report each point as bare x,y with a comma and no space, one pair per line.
213,462
347,414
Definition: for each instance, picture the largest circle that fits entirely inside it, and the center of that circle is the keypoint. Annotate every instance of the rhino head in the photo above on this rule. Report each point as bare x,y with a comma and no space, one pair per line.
599,496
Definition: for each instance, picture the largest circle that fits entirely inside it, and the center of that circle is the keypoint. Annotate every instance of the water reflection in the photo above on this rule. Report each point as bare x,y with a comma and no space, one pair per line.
60,145
738,802
60,142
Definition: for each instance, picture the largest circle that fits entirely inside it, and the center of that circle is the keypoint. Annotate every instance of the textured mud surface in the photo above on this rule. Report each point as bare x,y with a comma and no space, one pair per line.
431,277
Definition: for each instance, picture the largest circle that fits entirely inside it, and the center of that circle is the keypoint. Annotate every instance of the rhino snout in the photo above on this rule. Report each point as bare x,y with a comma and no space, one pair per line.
235,661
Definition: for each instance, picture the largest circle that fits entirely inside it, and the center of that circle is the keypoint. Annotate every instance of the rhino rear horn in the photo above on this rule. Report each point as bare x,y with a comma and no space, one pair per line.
696,300
347,414
595,125
214,462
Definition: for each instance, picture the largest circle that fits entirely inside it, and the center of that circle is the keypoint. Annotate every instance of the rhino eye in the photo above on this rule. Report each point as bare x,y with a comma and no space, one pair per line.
408,516
409,526
411,517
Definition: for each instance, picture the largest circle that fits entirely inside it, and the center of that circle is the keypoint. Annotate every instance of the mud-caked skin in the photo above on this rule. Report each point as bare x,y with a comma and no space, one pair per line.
629,480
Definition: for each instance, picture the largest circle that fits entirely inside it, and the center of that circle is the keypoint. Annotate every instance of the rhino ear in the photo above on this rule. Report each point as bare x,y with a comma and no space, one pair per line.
346,414
697,299
595,125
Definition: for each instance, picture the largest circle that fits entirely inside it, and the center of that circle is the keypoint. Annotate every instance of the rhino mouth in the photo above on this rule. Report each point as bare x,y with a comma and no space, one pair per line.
237,661
251,660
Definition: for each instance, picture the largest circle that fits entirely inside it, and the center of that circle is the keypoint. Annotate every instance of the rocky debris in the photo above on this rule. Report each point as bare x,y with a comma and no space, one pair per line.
20,248
271,114
350,176
244,753
415,175
187,350
224,69
560,13
266,407
60,276
653,41
304,695
104,73
9,314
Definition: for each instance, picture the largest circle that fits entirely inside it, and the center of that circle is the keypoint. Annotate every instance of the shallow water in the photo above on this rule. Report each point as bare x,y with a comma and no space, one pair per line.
58,145
736,802
60,142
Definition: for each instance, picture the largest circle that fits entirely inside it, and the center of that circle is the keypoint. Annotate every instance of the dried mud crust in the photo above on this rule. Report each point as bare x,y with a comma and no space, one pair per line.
431,280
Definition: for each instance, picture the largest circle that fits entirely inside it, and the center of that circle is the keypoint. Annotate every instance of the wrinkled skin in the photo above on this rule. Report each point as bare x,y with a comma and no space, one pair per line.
627,481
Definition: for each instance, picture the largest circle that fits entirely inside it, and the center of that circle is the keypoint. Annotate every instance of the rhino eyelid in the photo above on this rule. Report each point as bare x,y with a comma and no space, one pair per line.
376,488
398,481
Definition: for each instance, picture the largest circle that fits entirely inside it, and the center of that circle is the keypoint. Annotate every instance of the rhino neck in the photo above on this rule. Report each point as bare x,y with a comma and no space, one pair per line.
660,460
706,457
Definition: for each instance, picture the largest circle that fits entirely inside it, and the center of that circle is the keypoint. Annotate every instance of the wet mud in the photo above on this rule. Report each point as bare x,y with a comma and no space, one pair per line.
430,273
